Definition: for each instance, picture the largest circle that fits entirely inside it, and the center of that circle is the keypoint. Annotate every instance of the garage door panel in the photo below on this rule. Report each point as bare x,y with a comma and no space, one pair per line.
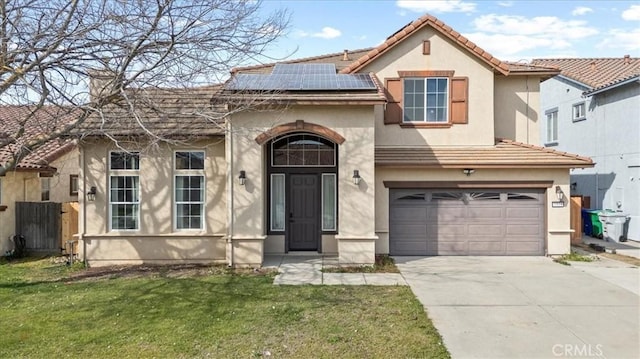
532,247
486,247
523,212
485,230
410,230
442,230
523,229
482,213
467,222
409,214
451,248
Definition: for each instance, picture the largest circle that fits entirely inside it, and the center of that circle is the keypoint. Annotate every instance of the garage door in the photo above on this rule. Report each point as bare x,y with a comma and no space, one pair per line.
466,222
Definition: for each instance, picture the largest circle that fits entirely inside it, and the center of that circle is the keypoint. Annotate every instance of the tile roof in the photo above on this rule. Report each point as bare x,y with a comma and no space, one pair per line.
595,73
337,58
439,26
158,112
38,121
504,154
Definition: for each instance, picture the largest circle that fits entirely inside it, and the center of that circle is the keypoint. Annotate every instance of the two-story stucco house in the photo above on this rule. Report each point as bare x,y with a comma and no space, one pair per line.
423,145
593,108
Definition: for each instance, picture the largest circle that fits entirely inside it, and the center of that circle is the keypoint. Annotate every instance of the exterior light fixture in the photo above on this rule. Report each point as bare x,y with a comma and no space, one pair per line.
91,195
242,178
356,177
468,171
559,193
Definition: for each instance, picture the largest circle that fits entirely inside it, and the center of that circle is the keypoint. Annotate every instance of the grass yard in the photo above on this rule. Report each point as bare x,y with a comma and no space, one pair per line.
49,310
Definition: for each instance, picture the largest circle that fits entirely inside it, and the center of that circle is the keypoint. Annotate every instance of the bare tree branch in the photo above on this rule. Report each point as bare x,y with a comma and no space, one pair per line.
142,54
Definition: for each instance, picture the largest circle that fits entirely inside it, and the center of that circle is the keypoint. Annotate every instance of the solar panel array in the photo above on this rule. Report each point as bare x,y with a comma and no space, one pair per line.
301,77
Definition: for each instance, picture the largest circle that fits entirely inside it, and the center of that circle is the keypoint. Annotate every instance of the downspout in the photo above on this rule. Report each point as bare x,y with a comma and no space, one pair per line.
81,196
527,107
230,184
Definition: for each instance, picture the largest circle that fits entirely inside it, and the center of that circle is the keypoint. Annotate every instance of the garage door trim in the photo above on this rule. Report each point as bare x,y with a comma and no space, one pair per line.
468,184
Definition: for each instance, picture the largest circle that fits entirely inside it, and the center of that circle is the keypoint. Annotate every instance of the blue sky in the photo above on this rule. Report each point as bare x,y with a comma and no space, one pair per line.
509,30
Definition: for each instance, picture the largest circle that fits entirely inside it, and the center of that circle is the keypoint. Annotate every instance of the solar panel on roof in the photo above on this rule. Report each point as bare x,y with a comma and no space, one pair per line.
301,69
313,79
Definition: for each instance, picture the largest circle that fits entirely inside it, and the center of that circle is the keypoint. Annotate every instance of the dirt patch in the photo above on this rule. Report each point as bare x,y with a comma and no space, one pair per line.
167,271
619,257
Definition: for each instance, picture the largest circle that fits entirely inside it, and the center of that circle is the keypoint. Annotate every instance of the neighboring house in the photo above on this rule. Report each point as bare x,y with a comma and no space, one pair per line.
423,145
593,108
48,174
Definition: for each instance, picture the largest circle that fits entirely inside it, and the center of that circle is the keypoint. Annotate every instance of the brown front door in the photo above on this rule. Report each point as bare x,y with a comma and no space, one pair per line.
304,213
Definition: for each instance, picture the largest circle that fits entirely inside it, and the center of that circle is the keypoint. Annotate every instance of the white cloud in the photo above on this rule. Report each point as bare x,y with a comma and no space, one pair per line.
326,33
505,3
581,10
632,13
621,39
506,36
436,6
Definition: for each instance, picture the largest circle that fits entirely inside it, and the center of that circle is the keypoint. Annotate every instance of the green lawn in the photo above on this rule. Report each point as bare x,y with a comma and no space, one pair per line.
48,310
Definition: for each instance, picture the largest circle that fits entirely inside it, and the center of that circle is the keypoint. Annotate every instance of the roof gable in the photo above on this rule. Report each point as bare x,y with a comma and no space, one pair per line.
438,26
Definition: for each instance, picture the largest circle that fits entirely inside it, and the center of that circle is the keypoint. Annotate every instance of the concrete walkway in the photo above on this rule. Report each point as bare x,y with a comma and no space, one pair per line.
307,269
627,248
528,307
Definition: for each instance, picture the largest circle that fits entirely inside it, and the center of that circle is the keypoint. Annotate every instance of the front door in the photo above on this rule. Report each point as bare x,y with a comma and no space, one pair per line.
304,213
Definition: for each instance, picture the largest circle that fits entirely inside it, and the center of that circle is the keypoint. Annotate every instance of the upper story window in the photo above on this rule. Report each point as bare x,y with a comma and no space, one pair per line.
552,127
73,185
120,160
579,112
426,99
303,150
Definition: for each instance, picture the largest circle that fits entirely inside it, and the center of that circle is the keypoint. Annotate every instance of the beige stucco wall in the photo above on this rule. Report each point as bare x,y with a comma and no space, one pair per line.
557,219
517,102
445,55
15,187
66,166
355,204
156,240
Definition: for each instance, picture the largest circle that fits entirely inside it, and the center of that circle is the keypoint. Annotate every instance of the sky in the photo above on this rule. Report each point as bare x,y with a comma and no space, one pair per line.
509,30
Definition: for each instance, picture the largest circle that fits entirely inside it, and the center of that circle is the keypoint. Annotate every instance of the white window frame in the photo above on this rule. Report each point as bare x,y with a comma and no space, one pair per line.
45,188
551,125
581,115
335,203
426,93
273,202
190,172
131,172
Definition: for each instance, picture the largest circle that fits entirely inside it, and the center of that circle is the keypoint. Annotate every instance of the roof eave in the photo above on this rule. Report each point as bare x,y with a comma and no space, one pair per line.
611,87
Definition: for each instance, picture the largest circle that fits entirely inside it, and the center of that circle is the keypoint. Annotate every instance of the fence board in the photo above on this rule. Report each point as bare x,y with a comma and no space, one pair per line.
576,219
69,224
39,223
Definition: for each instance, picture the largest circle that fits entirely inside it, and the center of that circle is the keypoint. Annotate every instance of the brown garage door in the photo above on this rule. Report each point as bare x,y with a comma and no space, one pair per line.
466,222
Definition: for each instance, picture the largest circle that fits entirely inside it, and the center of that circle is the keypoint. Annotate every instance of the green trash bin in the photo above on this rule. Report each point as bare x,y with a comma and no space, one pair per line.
596,225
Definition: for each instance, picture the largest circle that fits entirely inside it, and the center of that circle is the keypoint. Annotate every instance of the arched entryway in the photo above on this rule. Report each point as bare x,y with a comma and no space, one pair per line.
302,204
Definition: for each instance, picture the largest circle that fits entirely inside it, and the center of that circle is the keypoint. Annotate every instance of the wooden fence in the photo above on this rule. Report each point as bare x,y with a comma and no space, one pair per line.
47,226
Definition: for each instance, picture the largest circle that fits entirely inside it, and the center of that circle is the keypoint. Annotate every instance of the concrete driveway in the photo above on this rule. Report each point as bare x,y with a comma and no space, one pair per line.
528,307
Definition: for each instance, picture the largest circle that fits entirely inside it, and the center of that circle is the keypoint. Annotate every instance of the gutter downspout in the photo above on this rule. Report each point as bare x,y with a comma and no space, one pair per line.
230,207
81,197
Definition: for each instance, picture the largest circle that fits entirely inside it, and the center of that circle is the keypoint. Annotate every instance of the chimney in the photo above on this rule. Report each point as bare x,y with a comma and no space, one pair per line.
593,65
627,59
345,55
101,83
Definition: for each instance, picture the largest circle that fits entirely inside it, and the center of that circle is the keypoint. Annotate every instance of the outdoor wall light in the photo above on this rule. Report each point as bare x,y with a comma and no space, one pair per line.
242,178
468,171
559,193
91,195
356,177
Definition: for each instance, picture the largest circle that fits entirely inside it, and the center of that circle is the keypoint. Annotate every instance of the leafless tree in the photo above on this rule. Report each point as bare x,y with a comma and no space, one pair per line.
142,54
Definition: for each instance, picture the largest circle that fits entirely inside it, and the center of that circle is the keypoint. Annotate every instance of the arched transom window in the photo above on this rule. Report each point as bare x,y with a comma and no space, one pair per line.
303,150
